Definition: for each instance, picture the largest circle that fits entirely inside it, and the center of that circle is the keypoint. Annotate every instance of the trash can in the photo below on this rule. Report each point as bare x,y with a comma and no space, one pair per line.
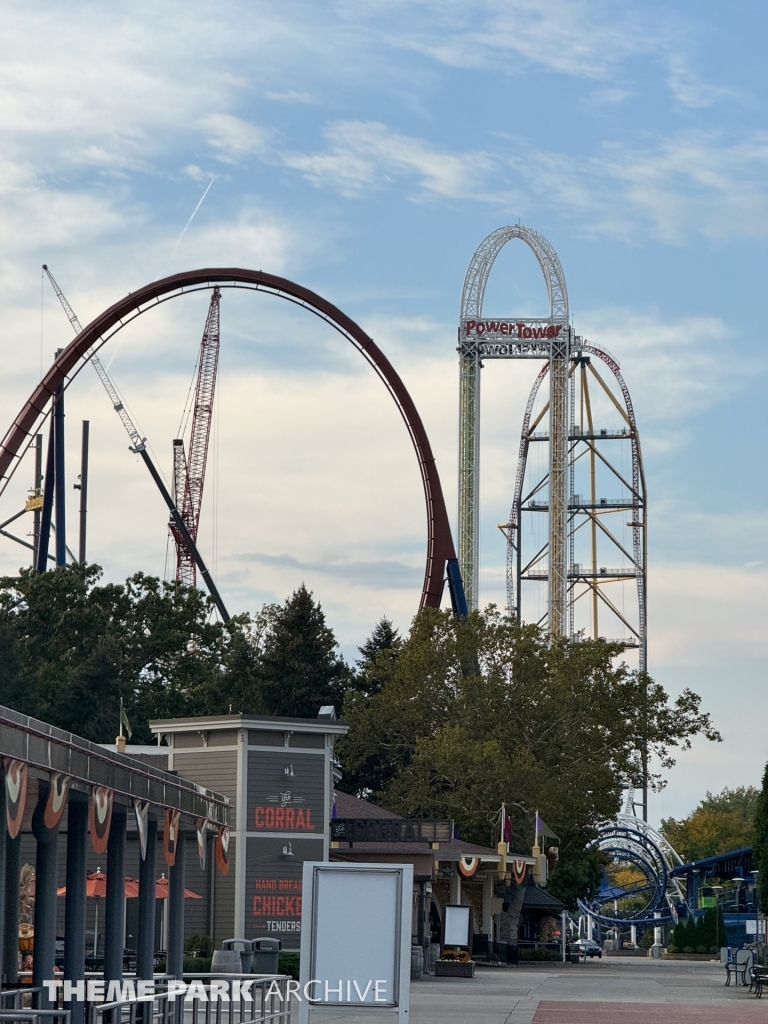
244,948
266,956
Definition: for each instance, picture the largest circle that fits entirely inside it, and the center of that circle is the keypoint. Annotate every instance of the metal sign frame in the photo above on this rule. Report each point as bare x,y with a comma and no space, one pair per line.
356,884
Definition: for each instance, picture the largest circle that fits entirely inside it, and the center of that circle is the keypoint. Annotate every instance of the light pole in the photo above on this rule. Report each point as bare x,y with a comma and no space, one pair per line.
756,876
738,882
717,889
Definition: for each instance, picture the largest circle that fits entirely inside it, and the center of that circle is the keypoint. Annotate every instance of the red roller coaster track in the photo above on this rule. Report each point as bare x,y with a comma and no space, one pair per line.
441,554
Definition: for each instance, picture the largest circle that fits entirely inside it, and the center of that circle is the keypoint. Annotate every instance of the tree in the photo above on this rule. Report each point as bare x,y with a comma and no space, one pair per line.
760,842
300,668
721,822
71,647
483,710
379,656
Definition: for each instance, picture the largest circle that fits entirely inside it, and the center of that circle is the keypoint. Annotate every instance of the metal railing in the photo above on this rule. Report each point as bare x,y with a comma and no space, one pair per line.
269,1004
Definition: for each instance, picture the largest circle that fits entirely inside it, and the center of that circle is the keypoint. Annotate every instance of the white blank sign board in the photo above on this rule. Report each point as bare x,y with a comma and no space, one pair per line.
356,937
456,926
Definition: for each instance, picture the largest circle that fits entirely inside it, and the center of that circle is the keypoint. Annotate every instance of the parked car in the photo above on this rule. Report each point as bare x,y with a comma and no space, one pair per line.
587,947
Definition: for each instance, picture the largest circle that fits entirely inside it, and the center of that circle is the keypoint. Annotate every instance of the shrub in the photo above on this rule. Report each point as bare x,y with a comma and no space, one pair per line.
539,954
289,964
199,946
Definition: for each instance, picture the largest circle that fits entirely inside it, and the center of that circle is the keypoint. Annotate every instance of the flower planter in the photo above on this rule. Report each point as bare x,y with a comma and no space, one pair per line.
454,969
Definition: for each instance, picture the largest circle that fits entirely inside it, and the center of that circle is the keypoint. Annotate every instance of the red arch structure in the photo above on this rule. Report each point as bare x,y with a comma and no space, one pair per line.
441,555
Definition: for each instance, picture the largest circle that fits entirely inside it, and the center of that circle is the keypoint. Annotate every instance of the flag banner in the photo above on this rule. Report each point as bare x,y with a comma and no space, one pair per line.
124,723
519,871
222,849
507,827
57,799
141,810
15,794
171,836
542,829
100,817
201,825
468,866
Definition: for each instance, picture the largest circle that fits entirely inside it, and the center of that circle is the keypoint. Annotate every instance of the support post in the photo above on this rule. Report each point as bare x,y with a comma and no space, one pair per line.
37,493
469,472
11,920
558,484
145,939
75,901
175,946
3,875
83,487
114,910
45,900
61,495
45,521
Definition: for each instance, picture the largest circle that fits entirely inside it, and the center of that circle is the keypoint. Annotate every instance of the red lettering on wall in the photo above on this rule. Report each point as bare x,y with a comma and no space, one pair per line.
284,819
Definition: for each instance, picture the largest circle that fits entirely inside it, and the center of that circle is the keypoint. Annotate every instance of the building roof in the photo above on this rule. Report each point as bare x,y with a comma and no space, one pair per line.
348,806
209,723
722,865
539,899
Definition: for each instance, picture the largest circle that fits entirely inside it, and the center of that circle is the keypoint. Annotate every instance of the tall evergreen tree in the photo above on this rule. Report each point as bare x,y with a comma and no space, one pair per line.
379,654
300,666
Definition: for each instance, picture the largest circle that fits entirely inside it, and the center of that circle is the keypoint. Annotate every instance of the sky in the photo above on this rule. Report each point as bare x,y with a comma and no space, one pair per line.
364,150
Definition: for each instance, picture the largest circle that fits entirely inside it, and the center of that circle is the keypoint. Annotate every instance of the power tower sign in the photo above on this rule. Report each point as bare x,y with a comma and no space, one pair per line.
514,338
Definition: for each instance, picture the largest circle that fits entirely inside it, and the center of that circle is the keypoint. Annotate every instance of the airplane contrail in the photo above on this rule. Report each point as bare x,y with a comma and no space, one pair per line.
202,197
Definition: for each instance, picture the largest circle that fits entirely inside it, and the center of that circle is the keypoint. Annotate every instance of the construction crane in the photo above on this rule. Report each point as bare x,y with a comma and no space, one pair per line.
189,469
139,446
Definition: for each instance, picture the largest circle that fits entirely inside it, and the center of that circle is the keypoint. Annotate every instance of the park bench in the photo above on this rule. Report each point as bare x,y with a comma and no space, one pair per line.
739,966
758,978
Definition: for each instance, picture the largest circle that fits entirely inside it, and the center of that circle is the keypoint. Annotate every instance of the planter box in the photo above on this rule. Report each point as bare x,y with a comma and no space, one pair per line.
454,969
689,956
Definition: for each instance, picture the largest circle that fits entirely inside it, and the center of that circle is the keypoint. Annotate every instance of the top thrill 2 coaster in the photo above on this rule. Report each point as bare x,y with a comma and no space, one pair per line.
441,560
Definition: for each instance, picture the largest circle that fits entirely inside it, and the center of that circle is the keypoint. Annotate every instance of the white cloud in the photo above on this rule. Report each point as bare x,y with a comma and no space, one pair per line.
565,36
292,97
368,154
688,90
232,137
674,366
693,183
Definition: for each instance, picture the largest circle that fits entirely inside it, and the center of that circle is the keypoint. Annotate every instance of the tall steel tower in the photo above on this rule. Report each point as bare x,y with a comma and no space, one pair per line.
514,338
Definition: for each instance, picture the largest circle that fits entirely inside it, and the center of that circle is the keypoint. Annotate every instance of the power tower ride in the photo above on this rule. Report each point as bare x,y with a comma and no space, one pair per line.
189,468
514,338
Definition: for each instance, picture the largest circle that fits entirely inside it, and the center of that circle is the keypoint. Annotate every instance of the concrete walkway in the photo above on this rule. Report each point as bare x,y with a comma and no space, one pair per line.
608,991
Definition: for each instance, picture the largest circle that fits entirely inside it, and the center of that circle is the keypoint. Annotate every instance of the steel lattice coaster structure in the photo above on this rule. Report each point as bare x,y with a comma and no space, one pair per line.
653,896
579,486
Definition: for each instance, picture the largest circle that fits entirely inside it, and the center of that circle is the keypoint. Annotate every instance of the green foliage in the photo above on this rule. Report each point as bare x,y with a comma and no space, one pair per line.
71,647
546,955
199,945
721,822
645,940
289,964
700,935
299,668
577,876
482,710
760,842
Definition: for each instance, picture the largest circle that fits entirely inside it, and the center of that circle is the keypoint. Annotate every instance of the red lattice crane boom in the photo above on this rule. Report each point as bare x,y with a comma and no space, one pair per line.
189,468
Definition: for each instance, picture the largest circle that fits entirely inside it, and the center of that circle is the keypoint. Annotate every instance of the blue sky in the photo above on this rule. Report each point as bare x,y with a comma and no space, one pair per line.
365,149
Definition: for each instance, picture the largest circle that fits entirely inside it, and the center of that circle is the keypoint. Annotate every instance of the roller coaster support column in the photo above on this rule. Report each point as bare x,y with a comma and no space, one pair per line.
45,520
83,488
469,472
37,493
60,496
558,485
